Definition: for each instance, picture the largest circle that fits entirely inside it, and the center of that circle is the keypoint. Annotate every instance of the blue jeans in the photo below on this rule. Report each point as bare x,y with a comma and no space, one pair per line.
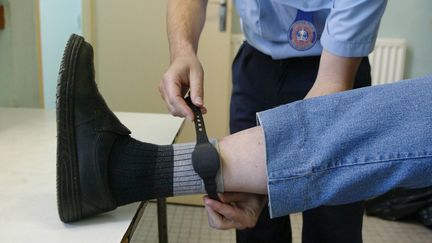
349,146
261,83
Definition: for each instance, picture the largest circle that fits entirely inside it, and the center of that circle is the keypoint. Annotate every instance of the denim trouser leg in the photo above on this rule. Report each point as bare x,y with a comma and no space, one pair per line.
349,146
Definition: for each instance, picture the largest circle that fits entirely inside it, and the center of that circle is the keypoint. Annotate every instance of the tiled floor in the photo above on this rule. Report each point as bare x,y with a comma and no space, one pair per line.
189,224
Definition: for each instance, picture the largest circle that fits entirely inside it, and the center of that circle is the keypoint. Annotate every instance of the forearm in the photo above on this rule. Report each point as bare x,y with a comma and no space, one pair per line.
185,21
335,74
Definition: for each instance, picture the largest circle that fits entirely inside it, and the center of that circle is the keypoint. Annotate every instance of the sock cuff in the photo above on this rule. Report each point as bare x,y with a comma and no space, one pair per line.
182,154
219,175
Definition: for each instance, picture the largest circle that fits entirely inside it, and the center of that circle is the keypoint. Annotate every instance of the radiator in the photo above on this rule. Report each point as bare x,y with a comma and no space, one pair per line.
387,60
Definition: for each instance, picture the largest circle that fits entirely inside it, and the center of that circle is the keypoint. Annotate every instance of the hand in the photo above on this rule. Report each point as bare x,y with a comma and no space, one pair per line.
237,210
184,72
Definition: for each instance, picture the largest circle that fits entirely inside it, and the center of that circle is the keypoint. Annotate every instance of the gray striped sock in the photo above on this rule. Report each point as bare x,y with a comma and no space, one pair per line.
186,180
141,171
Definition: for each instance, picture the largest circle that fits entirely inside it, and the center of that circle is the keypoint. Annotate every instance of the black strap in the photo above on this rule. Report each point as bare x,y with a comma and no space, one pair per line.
205,158
211,188
200,130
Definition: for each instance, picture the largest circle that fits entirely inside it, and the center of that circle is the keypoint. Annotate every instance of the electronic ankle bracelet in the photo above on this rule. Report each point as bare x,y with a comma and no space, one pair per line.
205,158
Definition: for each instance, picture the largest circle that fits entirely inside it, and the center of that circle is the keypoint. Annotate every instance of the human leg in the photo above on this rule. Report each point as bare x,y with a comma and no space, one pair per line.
308,154
140,171
392,151
364,142
383,158
99,166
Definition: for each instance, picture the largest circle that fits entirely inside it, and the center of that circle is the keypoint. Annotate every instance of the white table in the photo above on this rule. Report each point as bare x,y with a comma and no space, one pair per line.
28,207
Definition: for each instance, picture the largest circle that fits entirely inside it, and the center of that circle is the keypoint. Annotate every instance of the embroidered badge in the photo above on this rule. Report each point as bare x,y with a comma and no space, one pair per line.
302,35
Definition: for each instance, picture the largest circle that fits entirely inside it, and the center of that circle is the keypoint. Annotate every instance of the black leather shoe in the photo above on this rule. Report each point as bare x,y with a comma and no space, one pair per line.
86,131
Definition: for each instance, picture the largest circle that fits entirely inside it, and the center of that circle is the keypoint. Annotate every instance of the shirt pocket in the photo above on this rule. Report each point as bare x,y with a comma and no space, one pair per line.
309,5
275,20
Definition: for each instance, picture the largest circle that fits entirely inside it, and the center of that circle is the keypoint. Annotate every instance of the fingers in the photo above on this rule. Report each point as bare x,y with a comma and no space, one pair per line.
228,197
183,74
171,92
196,86
219,221
227,210
243,209
229,216
203,110
216,221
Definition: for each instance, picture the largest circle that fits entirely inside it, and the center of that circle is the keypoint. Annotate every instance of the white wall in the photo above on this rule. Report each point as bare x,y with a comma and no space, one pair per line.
411,20
19,67
58,19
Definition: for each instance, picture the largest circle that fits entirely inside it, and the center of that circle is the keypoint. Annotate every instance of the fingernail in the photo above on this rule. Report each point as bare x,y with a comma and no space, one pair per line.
198,100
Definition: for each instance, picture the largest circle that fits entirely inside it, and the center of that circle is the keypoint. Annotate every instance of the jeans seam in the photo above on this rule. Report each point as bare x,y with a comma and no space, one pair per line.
369,162
301,120
340,166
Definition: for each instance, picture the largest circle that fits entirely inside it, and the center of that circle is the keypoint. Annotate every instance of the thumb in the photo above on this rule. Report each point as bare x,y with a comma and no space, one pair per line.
196,81
228,197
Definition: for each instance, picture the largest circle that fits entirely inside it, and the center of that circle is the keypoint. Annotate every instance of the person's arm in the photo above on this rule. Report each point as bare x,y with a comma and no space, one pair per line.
349,34
236,210
335,74
185,21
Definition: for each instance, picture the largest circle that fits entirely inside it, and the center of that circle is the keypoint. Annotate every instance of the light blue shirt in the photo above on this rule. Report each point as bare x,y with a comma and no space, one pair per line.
345,28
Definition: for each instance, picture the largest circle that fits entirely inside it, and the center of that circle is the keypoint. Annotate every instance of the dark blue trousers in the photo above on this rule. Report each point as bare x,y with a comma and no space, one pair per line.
261,83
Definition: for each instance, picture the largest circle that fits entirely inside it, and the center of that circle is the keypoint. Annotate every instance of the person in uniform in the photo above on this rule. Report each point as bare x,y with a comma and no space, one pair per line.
294,50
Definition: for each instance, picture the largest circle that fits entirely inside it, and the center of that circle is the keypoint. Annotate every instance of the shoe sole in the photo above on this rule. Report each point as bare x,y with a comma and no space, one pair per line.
68,189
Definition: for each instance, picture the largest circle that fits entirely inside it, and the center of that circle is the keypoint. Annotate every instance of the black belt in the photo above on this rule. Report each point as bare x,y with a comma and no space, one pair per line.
205,158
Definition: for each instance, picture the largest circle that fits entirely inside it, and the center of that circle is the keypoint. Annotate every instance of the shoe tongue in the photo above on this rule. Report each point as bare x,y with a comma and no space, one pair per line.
106,121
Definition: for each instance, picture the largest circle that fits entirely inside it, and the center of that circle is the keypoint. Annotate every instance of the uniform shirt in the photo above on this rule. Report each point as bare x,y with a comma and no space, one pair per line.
345,28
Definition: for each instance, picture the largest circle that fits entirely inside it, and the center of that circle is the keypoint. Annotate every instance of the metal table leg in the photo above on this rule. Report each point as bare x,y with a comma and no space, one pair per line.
162,220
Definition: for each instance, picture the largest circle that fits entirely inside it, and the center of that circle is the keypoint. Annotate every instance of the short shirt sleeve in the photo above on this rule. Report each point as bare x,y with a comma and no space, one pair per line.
352,26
